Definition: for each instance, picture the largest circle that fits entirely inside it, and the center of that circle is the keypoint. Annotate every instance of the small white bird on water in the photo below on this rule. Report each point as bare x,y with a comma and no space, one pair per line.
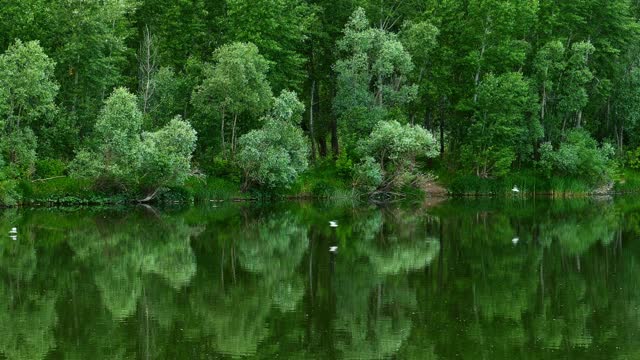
515,240
13,231
14,237
333,223
333,249
515,189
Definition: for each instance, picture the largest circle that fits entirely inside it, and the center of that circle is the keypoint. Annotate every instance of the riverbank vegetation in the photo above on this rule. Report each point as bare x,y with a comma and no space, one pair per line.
148,100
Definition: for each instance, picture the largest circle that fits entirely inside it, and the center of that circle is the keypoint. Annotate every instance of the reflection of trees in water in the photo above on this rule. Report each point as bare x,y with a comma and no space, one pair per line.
121,252
27,321
263,256
545,292
127,284
27,314
374,301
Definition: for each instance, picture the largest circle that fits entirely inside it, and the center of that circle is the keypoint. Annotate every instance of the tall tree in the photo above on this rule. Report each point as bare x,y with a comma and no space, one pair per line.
27,92
235,85
372,77
279,28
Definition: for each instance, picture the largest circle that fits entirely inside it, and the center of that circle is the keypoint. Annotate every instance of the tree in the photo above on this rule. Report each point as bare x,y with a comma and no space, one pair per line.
394,149
574,95
579,155
279,28
420,38
27,92
273,156
121,156
166,156
503,128
372,76
235,85
549,65
115,156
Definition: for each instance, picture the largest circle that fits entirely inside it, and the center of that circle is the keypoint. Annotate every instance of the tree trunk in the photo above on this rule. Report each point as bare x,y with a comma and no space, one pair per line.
147,68
579,120
311,132
150,196
233,136
335,146
322,146
442,112
222,134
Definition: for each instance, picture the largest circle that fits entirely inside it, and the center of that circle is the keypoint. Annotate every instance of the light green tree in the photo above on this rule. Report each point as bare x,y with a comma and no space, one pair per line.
27,92
234,85
123,157
372,76
166,156
116,154
394,148
273,156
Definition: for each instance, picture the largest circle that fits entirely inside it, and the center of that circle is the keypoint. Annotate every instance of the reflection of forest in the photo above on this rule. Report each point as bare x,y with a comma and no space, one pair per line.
240,281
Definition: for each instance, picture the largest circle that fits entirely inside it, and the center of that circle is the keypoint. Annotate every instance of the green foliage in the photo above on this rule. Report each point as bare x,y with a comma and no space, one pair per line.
344,165
65,191
19,149
501,83
579,156
274,156
503,128
46,168
390,154
27,86
372,77
633,159
122,157
368,175
27,93
115,156
279,28
166,155
235,85
9,194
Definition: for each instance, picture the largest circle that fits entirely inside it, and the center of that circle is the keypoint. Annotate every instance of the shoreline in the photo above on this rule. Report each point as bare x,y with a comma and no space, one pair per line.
65,191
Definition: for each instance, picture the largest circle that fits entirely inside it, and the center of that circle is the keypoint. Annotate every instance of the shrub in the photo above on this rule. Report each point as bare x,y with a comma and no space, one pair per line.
368,175
46,168
344,165
9,195
394,148
579,156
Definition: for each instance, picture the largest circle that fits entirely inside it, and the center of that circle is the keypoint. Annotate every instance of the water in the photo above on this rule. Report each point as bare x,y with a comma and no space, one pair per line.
474,279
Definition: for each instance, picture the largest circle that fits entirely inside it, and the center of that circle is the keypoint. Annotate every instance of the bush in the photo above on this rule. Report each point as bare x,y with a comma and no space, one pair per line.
368,175
344,165
274,156
394,148
579,156
224,168
9,195
46,168
633,159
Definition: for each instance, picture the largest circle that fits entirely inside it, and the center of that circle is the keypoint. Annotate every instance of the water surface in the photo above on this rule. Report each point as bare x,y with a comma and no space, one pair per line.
466,279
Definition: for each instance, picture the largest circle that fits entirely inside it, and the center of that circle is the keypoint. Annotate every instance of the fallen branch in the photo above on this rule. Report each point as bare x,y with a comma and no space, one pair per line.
47,179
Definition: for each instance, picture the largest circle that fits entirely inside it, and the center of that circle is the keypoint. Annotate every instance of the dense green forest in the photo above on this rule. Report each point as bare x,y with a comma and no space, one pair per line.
134,97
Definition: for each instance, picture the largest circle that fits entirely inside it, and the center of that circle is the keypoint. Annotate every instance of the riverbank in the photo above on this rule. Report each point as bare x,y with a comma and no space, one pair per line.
322,182
530,184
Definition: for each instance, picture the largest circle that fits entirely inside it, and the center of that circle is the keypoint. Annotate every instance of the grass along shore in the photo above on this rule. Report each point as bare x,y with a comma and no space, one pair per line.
320,182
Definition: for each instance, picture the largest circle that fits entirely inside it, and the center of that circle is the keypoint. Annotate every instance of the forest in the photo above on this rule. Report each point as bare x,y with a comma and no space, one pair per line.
150,99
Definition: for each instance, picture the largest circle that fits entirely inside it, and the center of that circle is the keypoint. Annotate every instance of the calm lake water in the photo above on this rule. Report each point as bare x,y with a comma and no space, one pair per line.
466,279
